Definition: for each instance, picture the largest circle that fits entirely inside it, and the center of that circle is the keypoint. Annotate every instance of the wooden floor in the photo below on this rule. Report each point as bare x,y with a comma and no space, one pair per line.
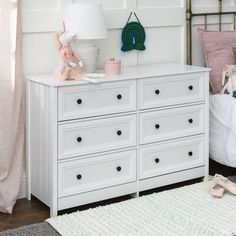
221,169
30,212
25,212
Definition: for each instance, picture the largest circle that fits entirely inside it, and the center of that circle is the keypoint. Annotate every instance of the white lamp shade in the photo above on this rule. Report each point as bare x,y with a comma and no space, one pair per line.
87,21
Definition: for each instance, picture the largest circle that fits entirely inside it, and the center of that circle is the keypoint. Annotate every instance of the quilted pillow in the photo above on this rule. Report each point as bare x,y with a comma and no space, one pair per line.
218,52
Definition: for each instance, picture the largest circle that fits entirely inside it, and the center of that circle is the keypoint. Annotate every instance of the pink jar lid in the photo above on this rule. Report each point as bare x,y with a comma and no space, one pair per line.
112,61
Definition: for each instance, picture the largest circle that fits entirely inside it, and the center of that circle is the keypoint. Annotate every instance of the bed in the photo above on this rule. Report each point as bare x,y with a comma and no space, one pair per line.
222,143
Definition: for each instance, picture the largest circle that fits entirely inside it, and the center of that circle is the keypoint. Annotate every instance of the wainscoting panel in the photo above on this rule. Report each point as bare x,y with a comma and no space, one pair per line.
39,53
41,5
159,3
111,46
107,4
166,45
164,22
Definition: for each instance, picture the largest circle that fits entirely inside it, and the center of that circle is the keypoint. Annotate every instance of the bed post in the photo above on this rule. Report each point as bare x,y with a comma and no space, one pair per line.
220,16
189,31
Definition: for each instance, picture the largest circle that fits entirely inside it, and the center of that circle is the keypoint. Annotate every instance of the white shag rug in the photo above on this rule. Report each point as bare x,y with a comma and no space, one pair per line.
186,211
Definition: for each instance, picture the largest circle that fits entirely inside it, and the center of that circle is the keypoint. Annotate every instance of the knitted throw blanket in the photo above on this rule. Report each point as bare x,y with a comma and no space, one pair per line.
186,211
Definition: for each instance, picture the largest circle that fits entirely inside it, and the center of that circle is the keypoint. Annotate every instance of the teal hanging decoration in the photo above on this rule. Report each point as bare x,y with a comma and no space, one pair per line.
133,35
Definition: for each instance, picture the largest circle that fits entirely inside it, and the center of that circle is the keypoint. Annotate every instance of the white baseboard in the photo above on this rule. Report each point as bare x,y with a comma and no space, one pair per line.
23,189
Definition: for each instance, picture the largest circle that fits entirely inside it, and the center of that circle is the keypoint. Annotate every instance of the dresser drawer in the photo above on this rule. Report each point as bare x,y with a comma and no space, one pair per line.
95,173
96,99
84,137
172,90
172,156
172,123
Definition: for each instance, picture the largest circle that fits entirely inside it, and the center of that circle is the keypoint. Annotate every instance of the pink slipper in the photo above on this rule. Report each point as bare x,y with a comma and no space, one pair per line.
225,183
217,191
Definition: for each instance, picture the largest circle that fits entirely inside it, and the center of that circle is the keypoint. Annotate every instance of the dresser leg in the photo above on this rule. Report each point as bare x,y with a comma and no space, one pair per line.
206,178
29,196
135,195
53,212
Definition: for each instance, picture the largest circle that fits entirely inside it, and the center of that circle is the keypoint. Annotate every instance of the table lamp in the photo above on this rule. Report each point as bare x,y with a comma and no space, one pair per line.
87,21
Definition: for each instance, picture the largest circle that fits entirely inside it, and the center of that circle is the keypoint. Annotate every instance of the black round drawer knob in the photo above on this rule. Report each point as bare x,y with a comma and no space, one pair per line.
79,177
79,139
119,132
190,87
79,101
157,92
157,126
119,96
190,154
157,160
118,168
190,121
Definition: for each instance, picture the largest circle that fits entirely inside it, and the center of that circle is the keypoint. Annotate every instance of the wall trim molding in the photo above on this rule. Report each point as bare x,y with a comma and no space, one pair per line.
36,21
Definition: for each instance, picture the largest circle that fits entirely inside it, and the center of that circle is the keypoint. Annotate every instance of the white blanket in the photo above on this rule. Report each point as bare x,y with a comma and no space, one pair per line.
223,129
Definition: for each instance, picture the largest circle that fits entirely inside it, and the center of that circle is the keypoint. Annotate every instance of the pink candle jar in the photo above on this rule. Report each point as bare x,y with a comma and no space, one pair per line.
112,67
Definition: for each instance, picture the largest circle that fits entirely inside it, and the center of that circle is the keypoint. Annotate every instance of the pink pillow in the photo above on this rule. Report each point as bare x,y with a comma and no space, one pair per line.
218,52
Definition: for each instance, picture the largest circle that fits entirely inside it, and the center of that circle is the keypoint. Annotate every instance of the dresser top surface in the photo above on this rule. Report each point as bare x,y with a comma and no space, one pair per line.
145,71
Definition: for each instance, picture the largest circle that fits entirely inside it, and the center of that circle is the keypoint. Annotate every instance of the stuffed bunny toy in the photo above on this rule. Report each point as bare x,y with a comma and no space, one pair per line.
71,64
229,72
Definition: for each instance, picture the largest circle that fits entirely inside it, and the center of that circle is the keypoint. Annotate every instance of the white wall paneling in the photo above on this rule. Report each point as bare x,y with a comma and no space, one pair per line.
107,4
163,20
159,3
39,53
166,45
113,42
131,4
41,5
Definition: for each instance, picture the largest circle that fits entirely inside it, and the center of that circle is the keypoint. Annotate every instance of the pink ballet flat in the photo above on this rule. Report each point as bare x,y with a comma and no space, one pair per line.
225,183
217,191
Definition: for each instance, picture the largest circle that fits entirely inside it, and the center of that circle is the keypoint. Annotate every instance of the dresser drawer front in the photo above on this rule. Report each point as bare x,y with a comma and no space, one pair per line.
173,156
96,99
172,90
86,137
172,123
80,176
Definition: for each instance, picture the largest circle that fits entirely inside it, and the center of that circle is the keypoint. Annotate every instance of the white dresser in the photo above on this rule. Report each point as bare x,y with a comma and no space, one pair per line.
143,129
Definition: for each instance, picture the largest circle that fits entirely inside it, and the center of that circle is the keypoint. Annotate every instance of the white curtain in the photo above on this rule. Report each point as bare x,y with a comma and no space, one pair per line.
11,117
